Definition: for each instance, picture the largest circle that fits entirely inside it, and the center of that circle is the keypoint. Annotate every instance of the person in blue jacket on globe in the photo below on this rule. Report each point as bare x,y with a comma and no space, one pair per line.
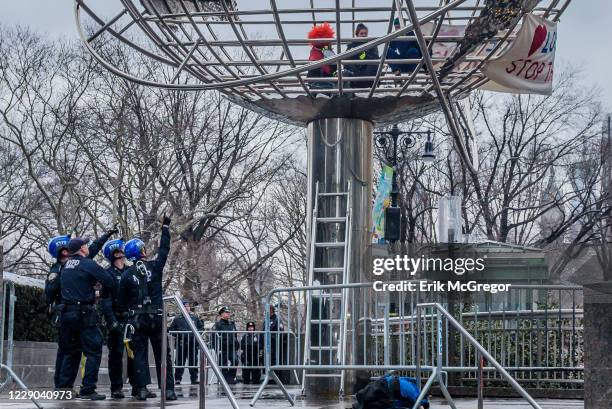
403,50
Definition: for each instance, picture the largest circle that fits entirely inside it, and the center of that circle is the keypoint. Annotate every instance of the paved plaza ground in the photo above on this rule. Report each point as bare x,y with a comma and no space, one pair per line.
272,400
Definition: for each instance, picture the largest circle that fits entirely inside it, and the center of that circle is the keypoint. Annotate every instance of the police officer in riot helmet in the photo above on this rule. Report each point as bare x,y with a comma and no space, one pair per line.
116,318
186,346
58,249
141,294
226,344
79,318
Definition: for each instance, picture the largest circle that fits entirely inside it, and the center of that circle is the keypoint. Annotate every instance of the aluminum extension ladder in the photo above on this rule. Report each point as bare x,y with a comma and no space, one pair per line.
327,309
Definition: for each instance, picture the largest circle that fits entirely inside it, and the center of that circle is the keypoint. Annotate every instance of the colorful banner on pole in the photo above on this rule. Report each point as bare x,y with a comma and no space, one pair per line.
527,67
382,201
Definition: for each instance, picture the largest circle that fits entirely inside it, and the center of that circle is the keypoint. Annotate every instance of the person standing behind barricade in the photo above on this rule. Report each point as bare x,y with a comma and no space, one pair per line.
116,319
58,249
141,294
79,318
251,355
186,345
278,345
226,344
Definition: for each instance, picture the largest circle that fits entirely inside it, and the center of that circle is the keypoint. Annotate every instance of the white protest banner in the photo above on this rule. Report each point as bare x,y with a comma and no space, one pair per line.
526,67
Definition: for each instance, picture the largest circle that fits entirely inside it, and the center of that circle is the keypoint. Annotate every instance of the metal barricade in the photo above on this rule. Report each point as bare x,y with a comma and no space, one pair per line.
234,351
533,331
203,348
11,376
363,350
440,318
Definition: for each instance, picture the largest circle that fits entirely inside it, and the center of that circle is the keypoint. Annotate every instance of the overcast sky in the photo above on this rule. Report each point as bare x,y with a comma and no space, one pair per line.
585,33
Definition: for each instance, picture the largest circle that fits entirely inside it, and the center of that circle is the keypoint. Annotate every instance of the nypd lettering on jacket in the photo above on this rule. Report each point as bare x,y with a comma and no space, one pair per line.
78,278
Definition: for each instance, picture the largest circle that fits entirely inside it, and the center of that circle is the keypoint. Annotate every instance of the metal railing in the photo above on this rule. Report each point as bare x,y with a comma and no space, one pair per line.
535,331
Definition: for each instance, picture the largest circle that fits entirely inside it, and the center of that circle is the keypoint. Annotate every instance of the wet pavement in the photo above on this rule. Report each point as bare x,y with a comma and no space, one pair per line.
272,399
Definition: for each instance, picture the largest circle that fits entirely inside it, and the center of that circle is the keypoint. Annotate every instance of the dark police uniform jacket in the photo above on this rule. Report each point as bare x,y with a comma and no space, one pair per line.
180,323
53,293
141,283
78,278
110,305
226,336
276,332
251,348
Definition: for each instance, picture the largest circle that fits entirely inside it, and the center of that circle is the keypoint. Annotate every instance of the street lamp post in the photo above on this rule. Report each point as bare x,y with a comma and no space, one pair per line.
389,142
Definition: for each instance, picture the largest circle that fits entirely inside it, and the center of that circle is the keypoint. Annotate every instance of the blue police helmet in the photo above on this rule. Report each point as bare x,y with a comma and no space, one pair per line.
111,246
56,244
133,249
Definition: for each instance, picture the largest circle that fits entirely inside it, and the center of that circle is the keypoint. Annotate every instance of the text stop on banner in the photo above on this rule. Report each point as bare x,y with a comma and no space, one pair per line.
526,67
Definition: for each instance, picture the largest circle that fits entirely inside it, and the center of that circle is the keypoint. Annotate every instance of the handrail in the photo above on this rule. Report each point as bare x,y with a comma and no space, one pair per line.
515,385
212,361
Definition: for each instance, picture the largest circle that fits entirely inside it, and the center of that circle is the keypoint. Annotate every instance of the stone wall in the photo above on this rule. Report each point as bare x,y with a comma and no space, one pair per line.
34,362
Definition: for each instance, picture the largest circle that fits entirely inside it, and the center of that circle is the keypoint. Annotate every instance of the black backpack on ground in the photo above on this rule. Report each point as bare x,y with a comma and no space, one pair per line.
376,395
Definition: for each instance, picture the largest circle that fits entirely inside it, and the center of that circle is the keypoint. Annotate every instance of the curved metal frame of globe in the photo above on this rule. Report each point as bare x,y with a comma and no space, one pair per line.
195,44
256,57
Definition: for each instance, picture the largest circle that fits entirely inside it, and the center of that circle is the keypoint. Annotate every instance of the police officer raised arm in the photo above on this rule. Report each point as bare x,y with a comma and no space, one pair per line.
79,319
141,294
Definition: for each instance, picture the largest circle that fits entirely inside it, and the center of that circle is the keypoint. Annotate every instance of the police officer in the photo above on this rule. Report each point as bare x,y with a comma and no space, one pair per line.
226,344
278,344
141,294
251,355
58,249
115,320
79,318
186,345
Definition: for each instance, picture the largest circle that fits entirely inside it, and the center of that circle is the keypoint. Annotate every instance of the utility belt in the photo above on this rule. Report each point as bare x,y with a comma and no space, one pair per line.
145,309
78,307
88,312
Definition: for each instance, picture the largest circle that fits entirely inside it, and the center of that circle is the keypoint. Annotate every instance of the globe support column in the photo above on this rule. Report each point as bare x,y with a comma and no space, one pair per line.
339,152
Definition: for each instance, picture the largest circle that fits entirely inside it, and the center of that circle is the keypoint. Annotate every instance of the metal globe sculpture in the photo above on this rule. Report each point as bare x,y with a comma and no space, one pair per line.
256,51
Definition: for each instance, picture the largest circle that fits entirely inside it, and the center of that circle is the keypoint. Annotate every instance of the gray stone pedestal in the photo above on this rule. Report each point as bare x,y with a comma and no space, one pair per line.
598,345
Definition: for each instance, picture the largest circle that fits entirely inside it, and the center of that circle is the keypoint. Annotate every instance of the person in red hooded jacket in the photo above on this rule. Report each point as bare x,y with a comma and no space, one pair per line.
321,34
